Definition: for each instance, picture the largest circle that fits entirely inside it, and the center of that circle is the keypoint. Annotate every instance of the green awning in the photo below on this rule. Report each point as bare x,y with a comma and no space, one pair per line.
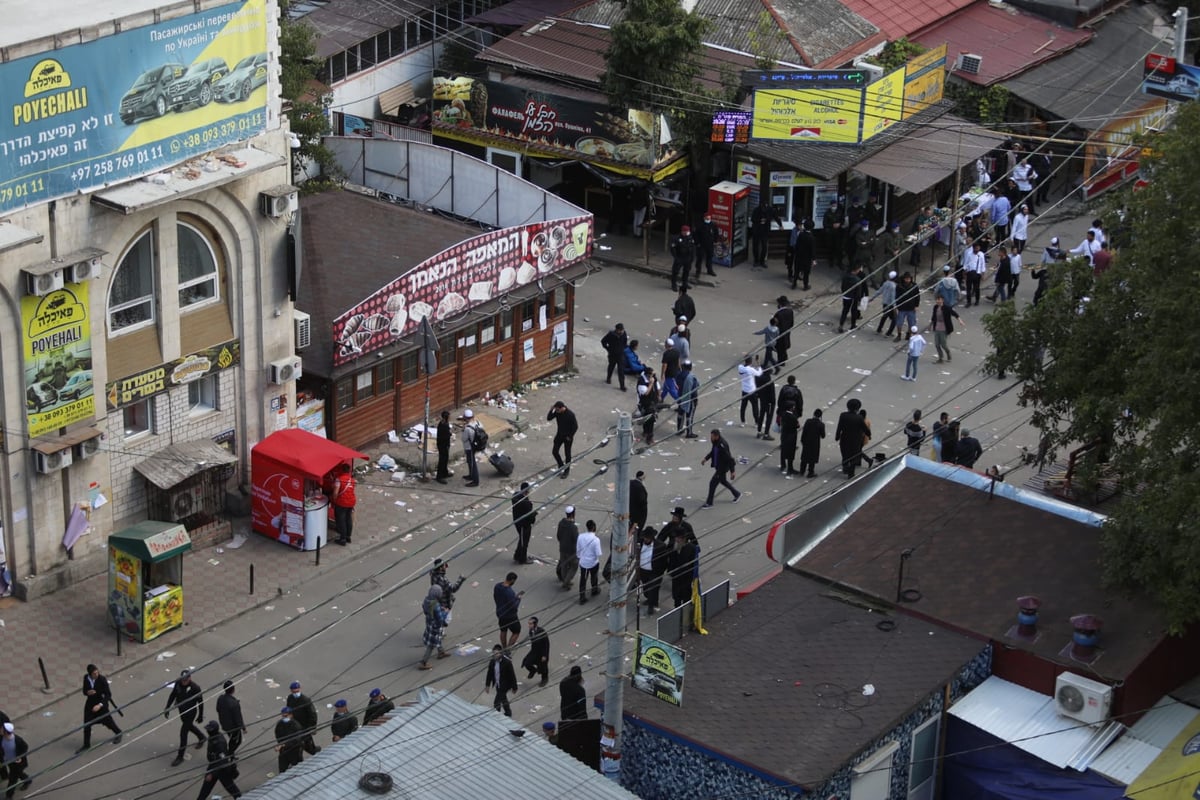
152,541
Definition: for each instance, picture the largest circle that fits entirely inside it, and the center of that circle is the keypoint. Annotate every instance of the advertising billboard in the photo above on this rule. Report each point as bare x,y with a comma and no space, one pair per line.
808,115
924,80
883,106
1112,154
1163,76
156,380
658,669
551,123
57,341
473,272
93,114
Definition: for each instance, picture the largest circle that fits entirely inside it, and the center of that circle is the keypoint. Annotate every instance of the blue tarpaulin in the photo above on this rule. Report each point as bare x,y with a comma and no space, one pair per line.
979,766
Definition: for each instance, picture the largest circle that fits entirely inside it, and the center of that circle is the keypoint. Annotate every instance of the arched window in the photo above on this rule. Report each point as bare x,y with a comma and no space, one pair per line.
131,298
198,281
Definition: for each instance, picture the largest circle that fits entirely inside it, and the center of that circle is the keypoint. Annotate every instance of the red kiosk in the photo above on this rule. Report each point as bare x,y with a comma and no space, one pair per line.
291,472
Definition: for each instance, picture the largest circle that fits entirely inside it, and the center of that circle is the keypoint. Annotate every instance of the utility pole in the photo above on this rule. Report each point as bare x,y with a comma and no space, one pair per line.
614,690
1181,25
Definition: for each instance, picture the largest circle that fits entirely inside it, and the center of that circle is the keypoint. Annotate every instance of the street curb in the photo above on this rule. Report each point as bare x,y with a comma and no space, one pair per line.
646,269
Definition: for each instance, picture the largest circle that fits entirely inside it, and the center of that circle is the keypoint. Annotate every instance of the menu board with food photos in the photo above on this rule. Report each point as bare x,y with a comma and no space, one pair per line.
467,275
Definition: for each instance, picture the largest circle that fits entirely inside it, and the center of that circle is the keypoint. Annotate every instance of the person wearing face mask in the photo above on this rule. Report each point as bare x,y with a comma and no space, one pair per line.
289,740
707,235
305,714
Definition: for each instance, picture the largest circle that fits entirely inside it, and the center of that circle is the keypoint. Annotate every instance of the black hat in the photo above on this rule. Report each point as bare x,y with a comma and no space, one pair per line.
648,533
678,512
187,673
212,726
576,670
437,562
228,686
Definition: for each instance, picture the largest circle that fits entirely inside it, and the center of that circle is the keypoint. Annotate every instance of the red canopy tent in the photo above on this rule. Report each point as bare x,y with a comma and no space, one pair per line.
288,471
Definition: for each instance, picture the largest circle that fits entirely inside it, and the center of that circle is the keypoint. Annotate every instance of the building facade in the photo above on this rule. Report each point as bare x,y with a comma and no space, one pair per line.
144,213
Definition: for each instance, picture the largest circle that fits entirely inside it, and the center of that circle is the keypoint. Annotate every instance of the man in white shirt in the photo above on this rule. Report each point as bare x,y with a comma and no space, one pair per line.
1088,247
1098,229
1014,259
975,265
1024,176
1020,229
747,372
587,550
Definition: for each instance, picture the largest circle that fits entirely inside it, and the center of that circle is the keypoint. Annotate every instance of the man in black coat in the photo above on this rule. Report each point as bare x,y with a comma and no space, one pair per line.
14,769
378,705
786,319
572,696
188,699
766,404
790,395
443,447
343,723
523,518
229,712
500,674
305,714
567,427
652,562
810,443
537,660
289,740
968,450
220,764
681,565
724,466
804,255
707,235
683,253
849,436
639,501
96,706
614,343
684,306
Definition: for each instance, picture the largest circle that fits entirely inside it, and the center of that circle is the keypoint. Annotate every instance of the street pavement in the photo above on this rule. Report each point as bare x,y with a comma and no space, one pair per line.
354,622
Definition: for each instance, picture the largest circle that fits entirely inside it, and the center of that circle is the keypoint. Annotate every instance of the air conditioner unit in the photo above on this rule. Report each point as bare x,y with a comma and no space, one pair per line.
87,449
874,71
186,502
88,270
43,283
52,462
1081,698
278,201
969,63
286,369
303,329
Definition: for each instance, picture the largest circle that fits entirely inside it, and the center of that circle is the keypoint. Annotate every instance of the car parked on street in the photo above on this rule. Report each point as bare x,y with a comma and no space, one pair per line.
147,98
195,87
249,74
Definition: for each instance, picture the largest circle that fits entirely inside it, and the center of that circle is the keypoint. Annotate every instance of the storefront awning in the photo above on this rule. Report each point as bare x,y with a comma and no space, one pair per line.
305,452
402,95
927,155
173,465
152,541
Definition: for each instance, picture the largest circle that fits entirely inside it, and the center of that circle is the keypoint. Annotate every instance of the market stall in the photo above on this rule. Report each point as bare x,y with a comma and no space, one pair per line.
291,473
145,578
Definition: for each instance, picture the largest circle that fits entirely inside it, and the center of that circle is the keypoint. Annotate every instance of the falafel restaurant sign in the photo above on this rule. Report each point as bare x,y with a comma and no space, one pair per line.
57,340
90,115
469,274
156,380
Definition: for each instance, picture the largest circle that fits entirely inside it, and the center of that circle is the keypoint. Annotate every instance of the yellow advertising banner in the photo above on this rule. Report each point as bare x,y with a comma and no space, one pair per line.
1175,773
883,106
57,343
924,80
808,115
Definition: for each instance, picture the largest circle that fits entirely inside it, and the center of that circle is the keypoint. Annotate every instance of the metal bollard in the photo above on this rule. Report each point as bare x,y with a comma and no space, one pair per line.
251,579
45,677
318,551
118,642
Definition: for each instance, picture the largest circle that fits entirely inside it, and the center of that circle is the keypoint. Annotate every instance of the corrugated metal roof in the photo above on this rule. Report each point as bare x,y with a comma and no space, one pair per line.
173,465
521,12
928,155
1093,83
344,23
1129,756
443,747
1009,40
1029,720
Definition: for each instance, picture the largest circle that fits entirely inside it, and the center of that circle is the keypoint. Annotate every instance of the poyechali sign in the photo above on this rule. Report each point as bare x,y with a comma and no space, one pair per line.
58,359
147,383
138,101
658,669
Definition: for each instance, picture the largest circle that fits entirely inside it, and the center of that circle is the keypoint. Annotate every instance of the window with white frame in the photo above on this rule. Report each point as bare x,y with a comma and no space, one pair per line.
202,395
131,297
139,418
197,267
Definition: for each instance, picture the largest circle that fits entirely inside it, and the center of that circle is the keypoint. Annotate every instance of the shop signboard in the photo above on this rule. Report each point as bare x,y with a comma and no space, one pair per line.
808,115
149,382
139,101
469,274
1112,154
57,339
883,106
658,669
924,80
549,123
1163,76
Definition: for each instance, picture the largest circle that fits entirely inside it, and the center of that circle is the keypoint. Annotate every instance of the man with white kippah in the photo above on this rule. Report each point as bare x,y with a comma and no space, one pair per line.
16,760
568,539
887,293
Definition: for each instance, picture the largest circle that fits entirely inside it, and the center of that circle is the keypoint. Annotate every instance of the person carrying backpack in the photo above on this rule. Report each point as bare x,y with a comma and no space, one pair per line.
474,440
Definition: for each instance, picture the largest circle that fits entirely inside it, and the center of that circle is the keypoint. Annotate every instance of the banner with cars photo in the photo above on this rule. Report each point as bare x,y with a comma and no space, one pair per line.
139,101
460,278
658,669
57,345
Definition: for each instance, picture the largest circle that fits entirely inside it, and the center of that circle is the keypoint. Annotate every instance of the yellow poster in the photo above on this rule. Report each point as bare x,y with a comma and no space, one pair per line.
812,115
883,106
1175,773
924,80
164,612
57,344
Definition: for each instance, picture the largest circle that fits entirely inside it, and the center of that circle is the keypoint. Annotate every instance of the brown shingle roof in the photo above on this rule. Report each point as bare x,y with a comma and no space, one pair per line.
777,682
972,557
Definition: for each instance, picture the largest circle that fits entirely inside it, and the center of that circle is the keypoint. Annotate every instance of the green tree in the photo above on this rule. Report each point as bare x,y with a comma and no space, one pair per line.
307,117
653,64
987,105
1112,361
765,40
896,53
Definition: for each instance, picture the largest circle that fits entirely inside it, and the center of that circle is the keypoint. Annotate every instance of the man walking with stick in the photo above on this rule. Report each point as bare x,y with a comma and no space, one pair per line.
96,706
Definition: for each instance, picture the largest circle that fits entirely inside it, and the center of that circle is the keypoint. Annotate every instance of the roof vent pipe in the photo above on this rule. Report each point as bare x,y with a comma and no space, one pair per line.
1027,616
1086,637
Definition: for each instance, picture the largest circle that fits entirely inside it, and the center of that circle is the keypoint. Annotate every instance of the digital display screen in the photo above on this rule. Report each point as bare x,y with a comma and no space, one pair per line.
731,127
